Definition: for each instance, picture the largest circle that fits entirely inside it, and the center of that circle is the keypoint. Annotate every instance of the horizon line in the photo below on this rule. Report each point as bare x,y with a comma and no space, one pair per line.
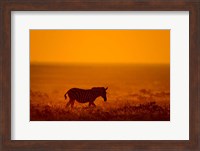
94,63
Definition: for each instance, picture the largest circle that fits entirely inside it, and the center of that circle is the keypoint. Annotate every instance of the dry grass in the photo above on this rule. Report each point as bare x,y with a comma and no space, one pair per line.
148,110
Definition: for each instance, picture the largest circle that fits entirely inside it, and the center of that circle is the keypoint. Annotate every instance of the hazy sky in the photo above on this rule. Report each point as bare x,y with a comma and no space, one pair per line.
100,46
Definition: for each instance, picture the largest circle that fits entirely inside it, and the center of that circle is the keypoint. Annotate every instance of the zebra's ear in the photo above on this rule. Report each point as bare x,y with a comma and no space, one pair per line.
106,88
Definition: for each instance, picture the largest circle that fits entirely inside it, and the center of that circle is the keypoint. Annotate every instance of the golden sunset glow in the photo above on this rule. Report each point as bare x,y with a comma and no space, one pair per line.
100,75
100,46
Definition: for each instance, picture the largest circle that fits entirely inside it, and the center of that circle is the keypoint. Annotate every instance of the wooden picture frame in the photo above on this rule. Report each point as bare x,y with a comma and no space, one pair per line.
6,6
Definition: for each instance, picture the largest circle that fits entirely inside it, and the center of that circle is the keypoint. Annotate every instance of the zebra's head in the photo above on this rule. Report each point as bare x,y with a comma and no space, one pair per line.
104,94
101,92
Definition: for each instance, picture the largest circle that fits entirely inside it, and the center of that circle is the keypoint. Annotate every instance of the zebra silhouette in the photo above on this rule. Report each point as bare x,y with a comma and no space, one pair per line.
85,95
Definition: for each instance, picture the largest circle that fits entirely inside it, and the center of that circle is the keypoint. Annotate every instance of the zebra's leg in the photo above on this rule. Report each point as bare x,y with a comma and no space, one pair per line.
93,104
72,103
90,103
68,104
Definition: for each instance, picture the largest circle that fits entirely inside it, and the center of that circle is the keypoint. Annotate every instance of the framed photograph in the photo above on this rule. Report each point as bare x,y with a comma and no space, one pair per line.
99,75
87,66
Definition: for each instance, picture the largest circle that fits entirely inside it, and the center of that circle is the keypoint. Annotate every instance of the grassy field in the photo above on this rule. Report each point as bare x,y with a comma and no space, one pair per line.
143,109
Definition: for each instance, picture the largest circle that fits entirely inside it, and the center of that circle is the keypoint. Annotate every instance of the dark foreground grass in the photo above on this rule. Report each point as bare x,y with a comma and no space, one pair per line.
149,111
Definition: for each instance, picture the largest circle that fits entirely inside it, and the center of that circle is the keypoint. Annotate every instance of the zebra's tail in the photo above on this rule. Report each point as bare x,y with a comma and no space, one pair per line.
65,95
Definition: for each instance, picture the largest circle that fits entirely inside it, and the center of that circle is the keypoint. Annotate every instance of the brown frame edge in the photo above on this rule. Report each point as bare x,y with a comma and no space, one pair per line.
6,6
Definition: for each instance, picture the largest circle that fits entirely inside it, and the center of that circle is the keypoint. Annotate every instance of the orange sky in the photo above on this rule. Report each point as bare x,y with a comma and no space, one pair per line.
100,46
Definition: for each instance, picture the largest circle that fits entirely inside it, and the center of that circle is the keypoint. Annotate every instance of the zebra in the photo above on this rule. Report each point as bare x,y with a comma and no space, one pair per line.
85,95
